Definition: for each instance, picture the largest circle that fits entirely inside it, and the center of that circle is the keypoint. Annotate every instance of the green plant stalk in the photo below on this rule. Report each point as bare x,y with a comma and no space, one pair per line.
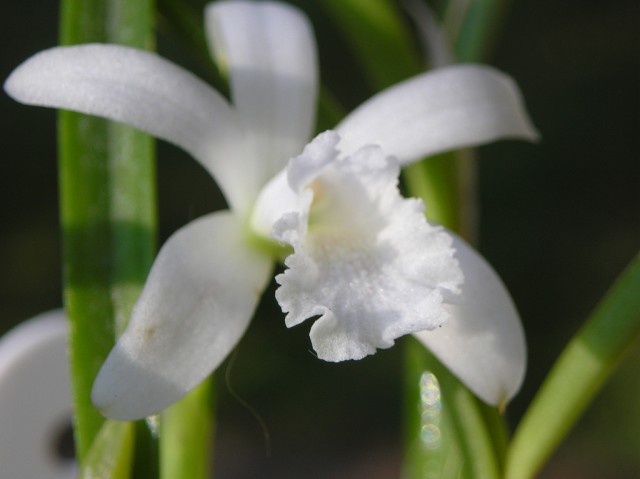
132,173
88,304
479,29
467,429
434,181
583,367
433,446
475,436
186,434
496,425
107,208
111,454
375,30
329,111
186,22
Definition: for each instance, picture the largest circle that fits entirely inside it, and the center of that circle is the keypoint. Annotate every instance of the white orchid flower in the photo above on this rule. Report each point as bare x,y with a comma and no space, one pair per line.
365,260
35,399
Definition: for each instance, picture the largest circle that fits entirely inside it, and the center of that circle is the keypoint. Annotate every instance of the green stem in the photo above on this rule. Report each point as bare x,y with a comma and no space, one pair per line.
433,446
496,425
111,454
186,22
434,180
107,209
132,184
475,436
378,36
583,367
186,435
463,427
475,25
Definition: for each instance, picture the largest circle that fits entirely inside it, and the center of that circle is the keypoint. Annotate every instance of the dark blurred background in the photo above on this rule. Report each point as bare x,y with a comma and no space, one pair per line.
560,220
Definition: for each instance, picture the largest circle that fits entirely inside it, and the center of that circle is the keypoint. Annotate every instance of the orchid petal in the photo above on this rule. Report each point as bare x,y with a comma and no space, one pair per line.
284,193
270,52
482,342
35,398
448,108
366,260
275,200
197,303
143,90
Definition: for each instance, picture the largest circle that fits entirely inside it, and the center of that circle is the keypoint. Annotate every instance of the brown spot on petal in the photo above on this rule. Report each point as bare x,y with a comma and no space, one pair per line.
147,334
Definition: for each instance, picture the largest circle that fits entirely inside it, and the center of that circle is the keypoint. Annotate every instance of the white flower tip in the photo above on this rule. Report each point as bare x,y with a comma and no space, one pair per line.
483,342
448,108
17,84
518,123
333,345
125,392
315,156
